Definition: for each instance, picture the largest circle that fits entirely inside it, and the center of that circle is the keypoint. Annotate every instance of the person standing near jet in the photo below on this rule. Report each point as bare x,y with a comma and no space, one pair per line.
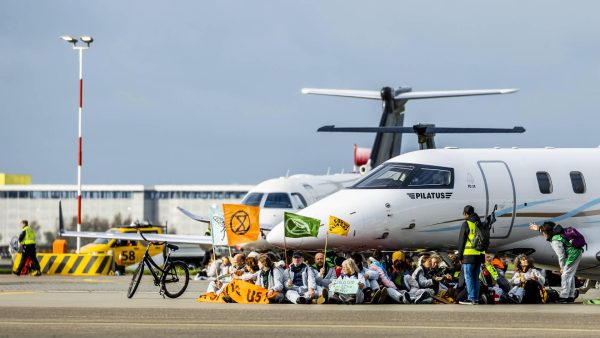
471,259
27,240
568,258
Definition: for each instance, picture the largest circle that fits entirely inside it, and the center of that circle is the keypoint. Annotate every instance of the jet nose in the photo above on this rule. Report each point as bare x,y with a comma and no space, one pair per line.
275,236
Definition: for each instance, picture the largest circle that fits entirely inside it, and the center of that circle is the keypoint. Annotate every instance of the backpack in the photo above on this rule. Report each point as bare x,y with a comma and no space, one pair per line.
481,241
574,237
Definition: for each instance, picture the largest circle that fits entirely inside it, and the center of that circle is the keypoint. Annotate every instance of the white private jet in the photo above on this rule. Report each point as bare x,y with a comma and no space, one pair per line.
415,201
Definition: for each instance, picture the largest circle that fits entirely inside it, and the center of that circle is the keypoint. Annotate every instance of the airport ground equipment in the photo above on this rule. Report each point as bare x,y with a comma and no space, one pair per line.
172,280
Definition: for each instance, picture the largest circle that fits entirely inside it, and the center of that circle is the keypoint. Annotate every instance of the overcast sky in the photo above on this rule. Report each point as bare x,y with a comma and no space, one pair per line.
208,92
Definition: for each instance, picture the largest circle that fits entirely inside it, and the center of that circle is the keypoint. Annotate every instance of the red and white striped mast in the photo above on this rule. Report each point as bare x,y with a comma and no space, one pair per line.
87,40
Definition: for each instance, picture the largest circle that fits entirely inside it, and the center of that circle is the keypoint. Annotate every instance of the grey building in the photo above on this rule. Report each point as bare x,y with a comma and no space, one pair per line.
110,205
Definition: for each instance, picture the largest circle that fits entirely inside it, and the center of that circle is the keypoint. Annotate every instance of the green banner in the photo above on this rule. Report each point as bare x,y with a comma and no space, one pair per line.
297,226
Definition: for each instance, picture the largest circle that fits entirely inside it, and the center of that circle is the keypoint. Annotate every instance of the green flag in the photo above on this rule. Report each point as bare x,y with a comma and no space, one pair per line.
297,226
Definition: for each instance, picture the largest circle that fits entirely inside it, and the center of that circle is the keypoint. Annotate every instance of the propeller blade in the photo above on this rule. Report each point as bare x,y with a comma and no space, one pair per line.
452,93
361,94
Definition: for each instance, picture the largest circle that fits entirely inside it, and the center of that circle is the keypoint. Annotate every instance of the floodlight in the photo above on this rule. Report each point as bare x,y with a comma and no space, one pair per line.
87,39
69,39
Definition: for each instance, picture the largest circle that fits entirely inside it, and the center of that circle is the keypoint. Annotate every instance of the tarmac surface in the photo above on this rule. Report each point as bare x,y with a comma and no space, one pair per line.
98,306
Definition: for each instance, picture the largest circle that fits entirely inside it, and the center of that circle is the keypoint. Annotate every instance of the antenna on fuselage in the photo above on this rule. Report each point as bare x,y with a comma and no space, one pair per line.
388,144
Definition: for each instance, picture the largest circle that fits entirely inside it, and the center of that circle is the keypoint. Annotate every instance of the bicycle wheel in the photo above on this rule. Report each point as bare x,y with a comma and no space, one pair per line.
135,280
175,279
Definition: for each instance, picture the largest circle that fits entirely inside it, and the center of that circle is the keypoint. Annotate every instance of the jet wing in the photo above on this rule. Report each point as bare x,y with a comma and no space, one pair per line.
193,239
193,216
134,236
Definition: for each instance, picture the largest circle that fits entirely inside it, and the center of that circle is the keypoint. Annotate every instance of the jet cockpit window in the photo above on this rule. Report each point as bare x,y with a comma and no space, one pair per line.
431,178
407,176
279,200
544,182
578,182
253,199
299,199
388,176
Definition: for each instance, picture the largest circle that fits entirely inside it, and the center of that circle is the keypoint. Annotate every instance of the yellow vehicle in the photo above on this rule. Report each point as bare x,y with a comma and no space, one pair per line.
125,252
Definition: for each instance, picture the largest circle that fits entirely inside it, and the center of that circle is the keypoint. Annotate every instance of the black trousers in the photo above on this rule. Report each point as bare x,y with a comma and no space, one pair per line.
29,252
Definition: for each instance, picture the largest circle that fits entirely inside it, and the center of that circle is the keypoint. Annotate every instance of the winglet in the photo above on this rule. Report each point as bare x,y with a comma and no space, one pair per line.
193,216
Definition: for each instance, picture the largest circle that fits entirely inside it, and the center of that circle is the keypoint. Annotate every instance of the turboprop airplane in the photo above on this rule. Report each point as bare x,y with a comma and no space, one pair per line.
415,201
298,191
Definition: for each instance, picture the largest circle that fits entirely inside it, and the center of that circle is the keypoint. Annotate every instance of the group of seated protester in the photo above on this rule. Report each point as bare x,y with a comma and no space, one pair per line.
377,279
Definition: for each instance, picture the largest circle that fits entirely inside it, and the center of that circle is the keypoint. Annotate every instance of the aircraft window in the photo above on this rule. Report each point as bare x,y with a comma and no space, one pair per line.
431,177
253,199
278,200
391,175
577,182
300,201
544,182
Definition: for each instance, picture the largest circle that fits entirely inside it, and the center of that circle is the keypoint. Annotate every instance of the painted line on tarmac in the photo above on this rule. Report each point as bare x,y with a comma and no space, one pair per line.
16,292
304,326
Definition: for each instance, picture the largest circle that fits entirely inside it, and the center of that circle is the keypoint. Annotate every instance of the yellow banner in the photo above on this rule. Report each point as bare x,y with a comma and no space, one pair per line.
241,223
238,291
338,226
210,297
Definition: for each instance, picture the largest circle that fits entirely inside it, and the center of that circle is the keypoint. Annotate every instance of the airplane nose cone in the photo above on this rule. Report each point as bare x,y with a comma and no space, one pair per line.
349,210
275,236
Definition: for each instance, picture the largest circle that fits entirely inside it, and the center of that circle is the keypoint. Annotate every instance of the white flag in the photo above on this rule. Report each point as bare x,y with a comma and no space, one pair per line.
217,224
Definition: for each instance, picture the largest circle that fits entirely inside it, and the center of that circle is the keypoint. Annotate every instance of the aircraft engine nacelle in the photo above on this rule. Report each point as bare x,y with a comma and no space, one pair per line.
361,156
364,169
362,159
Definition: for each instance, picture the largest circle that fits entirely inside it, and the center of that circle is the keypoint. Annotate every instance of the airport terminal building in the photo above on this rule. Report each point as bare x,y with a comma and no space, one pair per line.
109,205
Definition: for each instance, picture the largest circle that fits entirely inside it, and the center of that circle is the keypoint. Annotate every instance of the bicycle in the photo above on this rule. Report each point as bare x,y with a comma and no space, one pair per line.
169,279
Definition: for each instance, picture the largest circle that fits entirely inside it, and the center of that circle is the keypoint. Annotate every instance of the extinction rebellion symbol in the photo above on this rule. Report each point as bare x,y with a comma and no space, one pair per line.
240,223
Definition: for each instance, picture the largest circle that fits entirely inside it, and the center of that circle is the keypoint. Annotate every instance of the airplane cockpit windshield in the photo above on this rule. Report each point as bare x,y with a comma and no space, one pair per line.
253,199
407,176
279,200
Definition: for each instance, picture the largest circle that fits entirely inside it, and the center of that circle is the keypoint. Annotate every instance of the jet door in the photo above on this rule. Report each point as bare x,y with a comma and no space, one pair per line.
500,191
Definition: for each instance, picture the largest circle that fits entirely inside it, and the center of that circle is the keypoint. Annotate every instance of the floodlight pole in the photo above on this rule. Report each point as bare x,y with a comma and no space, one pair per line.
80,139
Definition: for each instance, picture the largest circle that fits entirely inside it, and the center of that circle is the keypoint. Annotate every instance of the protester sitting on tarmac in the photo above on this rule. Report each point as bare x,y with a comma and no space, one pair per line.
250,270
338,265
349,271
440,274
225,265
371,277
527,282
423,277
388,290
300,284
271,278
493,273
213,267
324,273
227,271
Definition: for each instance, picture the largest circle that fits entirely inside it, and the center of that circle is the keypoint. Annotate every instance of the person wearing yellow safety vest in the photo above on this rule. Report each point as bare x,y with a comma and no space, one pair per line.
471,259
27,241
